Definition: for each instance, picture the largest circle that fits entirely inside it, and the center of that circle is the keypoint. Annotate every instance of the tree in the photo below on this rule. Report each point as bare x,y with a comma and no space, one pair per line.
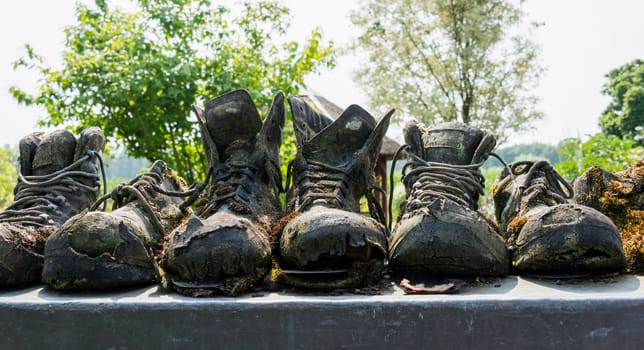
137,73
449,60
625,112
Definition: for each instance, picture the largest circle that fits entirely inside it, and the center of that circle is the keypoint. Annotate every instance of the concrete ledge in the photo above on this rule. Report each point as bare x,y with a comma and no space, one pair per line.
518,313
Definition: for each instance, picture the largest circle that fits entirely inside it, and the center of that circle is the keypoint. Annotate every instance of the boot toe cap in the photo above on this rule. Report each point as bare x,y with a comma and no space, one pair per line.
222,254
20,259
568,238
331,234
97,251
447,239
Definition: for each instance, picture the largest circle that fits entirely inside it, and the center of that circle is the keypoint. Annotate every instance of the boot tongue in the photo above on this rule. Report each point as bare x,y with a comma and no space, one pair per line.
452,143
54,152
232,118
336,144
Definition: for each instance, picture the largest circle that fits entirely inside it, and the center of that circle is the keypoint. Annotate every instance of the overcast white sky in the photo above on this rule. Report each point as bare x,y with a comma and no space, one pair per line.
580,42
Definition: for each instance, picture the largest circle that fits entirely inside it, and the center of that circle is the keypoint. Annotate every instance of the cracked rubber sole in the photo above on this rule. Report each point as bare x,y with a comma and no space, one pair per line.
358,276
228,285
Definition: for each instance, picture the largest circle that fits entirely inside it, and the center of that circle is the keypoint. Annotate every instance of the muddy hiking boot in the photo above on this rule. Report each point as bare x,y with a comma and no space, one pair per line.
620,196
440,231
545,234
59,175
225,248
325,242
97,249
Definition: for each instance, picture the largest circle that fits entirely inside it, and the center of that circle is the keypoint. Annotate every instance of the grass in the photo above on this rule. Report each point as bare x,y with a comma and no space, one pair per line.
486,203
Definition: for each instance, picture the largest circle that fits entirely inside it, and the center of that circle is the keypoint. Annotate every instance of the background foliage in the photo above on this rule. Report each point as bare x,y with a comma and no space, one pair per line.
449,60
8,176
137,73
625,113
606,151
524,151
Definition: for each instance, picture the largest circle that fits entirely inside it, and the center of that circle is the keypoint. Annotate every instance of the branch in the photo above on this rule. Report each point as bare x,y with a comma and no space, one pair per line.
429,65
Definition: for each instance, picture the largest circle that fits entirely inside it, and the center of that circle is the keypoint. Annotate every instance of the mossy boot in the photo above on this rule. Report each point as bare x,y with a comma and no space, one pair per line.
326,243
620,196
546,235
97,250
59,176
440,232
225,248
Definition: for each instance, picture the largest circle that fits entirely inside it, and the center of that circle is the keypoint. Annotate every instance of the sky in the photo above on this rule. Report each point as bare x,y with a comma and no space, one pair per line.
580,43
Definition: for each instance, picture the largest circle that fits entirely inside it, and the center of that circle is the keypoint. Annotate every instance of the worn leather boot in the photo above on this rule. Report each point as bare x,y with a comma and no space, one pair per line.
58,177
96,249
545,234
440,231
326,243
620,196
225,249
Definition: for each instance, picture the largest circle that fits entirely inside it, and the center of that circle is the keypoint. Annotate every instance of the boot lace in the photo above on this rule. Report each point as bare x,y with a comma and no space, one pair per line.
142,189
542,184
39,198
319,182
232,185
429,180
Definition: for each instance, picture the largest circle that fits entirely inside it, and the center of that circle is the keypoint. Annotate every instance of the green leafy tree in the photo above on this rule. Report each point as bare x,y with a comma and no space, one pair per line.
625,112
449,60
8,176
606,151
136,73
